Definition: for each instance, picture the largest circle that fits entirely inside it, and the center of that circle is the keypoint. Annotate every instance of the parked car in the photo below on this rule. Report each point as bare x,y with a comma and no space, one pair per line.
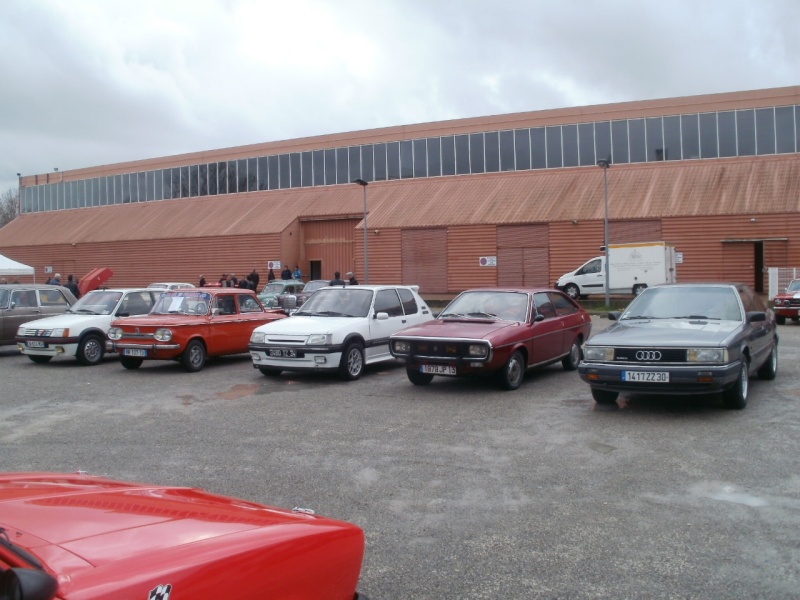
23,302
691,338
78,536
338,329
81,330
787,304
171,285
279,287
289,302
495,331
190,325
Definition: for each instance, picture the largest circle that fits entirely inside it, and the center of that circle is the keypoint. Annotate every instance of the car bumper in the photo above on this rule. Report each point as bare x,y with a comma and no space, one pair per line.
317,358
148,351
49,346
463,368
790,312
688,379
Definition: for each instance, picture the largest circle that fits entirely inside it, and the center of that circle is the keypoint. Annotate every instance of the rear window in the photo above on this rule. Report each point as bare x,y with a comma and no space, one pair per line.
409,302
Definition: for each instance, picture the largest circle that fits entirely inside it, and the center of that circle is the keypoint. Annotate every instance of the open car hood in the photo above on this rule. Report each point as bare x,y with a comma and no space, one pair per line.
94,279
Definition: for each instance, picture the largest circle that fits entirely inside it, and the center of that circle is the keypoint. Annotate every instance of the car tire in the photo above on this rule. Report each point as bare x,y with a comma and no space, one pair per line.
572,290
513,372
735,397
131,362
268,372
91,350
769,369
39,359
418,378
194,357
352,363
780,320
604,396
570,361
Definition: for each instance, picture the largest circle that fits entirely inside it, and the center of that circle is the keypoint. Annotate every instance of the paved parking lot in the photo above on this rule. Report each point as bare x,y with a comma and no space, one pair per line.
464,491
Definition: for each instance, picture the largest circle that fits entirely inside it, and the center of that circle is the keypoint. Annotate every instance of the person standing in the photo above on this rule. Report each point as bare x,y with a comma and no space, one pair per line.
298,274
337,279
351,279
270,276
72,286
254,278
286,274
202,282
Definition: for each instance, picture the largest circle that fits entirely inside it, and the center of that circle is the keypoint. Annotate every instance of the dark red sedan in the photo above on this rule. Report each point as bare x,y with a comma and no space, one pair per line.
495,331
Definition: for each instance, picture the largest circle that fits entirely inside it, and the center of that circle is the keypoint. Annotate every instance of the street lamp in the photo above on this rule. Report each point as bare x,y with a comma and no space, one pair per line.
364,184
604,164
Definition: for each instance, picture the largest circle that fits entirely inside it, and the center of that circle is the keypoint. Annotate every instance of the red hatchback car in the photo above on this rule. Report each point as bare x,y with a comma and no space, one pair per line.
77,537
787,303
190,325
497,331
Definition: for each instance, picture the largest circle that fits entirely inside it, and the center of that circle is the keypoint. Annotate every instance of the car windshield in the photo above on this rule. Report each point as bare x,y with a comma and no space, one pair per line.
794,286
711,303
273,288
182,303
313,286
488,304
338,302
98,302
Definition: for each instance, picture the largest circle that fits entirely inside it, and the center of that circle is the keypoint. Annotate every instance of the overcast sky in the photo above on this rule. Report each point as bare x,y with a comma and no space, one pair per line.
93,82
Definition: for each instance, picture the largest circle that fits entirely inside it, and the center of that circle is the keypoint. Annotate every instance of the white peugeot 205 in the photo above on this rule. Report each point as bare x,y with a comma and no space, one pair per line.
341,328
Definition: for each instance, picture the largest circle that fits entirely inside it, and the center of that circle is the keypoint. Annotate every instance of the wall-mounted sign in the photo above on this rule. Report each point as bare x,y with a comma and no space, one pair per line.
273,264
487,261
679,258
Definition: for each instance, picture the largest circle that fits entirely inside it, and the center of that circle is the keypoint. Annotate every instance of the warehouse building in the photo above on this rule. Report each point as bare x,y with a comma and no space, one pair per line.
513,199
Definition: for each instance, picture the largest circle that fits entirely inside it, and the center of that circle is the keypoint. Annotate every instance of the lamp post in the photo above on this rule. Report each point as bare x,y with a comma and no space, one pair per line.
364,184
604,164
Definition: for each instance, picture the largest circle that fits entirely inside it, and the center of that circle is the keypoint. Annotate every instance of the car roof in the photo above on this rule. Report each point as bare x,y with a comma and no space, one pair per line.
524,290
44,286
123,290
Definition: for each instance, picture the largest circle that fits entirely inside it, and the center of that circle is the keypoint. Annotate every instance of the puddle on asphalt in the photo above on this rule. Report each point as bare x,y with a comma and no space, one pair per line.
240,390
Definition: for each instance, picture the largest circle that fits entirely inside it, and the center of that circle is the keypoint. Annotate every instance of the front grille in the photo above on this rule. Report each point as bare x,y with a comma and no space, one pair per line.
37,332
138,335
650,355
441,349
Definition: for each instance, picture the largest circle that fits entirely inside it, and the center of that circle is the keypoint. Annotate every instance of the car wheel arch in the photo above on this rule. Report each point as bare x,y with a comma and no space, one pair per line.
354,337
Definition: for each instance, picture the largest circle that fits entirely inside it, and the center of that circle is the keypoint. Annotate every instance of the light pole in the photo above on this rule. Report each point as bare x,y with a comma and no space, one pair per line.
364,184
604,164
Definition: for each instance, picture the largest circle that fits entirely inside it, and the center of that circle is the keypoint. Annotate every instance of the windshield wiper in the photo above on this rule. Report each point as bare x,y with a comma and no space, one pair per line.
482,314
698,317
87,311
329,313
21,552
642,317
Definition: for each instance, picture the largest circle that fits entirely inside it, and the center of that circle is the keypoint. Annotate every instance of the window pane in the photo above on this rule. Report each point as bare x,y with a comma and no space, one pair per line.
506,149
96,189
263,173
636,140
462,154
476,153
252,175
492,151
393,160
284,169
406,159
274,169
202,177
538,148
212,179
765,131
318,156
746,132
148,187
586,144
241,165
222,177
233,178
655,139
330,166
708,135
449,155
117,190
367,168
126,190
727,133
690,136
784,129
380,162
569,139
602,141
434,157
193,188
420,158
342,166
672,138
619,142
141,184
354,158
554,158
307,168
522,149
294,169
184,182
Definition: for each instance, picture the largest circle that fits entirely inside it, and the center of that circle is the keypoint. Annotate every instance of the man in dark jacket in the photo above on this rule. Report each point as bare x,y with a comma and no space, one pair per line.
72,286
337,279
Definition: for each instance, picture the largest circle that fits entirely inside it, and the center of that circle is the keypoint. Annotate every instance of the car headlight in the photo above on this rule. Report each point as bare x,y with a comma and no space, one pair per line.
706,355
115,333
401,346
478,350
62,332
257,337
319,339
602,353
163,334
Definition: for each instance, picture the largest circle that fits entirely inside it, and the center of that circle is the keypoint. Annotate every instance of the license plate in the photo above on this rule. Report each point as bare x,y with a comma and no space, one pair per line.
438,369
35,344
285,352
646,376
134,352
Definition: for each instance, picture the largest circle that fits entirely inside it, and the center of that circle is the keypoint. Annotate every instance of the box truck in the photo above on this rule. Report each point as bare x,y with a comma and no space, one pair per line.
633,268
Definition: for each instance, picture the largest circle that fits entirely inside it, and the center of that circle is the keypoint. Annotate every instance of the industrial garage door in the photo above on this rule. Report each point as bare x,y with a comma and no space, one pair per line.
425,259
523,255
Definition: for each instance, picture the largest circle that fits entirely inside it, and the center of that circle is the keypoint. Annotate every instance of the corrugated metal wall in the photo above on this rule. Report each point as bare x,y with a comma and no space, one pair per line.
627,232
424,255
332,242
465,246
385,257
523,255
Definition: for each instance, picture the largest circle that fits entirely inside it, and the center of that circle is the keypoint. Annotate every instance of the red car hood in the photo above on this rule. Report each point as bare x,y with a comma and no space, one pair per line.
75,521
94,279
456,328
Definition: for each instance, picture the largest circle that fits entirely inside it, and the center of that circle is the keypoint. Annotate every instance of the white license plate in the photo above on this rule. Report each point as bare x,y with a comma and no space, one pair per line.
646,376
286,352
35,344
134,352
438,369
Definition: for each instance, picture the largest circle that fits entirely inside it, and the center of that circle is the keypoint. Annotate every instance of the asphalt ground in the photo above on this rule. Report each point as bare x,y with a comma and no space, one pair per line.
464,491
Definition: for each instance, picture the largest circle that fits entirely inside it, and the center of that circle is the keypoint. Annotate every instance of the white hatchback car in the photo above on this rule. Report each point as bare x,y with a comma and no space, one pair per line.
340,329
81,331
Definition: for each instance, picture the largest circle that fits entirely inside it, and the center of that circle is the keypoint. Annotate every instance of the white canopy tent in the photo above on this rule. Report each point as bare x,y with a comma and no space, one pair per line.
12,267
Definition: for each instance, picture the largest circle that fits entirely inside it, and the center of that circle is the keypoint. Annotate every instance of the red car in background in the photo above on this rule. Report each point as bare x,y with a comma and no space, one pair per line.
495,331
191,325
786,305
78,537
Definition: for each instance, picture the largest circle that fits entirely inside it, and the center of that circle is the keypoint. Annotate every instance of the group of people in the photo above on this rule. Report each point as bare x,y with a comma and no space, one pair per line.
286,273
248,282
71,285
337,279
251,280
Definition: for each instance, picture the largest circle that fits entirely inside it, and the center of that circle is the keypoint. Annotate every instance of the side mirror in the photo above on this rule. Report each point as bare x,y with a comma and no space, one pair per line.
755,316
27,584
382,316
538,317
614,315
